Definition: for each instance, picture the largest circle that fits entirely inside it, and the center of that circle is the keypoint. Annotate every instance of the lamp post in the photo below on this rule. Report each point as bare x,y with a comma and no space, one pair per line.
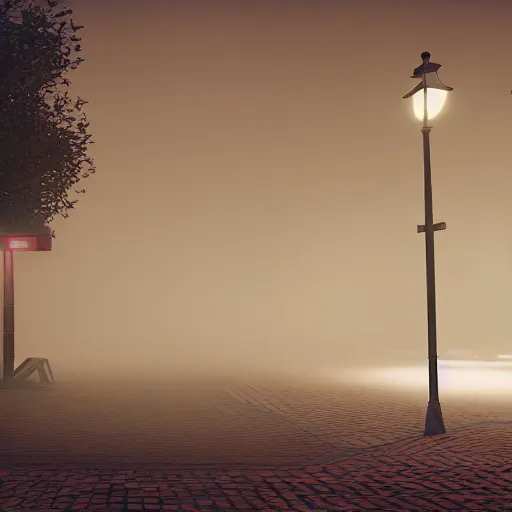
429,96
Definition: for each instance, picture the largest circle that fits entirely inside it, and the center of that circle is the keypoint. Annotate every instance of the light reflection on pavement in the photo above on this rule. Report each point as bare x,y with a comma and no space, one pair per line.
490,379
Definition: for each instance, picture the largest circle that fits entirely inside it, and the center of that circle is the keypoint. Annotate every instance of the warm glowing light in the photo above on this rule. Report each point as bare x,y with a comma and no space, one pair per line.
436,99
476,364
488,378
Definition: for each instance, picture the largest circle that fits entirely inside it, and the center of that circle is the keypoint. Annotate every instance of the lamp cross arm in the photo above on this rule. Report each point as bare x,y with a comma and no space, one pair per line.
440,226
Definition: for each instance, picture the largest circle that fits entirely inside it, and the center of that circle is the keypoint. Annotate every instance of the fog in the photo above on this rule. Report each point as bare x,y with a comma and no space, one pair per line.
259,185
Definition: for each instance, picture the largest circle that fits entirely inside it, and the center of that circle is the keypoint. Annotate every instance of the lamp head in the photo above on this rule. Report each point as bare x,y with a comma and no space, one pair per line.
430,91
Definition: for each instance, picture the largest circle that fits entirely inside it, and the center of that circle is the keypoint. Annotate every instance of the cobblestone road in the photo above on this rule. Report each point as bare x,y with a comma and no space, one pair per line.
231,445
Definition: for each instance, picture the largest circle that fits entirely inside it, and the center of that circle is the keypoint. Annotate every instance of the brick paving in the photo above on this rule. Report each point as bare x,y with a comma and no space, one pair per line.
243,445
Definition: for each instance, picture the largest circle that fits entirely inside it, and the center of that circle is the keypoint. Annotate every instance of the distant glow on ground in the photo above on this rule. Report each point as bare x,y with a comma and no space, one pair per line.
458,377
476,364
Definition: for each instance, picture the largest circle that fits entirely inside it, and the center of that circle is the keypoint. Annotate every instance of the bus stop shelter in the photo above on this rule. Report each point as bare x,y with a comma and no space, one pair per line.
10,243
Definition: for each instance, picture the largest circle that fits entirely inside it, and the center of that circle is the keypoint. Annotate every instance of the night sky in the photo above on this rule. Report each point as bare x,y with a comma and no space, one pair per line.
260,181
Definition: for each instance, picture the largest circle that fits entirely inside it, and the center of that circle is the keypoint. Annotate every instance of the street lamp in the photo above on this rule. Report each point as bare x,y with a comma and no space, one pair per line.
429,97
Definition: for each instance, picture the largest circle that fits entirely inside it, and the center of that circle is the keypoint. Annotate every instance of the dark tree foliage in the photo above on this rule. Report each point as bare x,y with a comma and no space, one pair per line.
44,135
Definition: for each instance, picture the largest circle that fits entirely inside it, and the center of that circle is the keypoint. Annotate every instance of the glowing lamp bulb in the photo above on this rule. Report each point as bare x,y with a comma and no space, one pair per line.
436,99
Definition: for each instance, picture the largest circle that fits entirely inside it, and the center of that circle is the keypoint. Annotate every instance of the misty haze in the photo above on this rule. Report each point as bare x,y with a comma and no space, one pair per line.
235,312
260,188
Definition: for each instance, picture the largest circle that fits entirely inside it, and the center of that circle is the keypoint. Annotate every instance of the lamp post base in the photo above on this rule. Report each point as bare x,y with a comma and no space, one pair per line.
434,424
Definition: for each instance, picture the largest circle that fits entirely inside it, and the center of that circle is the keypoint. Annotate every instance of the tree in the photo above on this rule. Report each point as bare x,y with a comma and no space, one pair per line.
44,138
